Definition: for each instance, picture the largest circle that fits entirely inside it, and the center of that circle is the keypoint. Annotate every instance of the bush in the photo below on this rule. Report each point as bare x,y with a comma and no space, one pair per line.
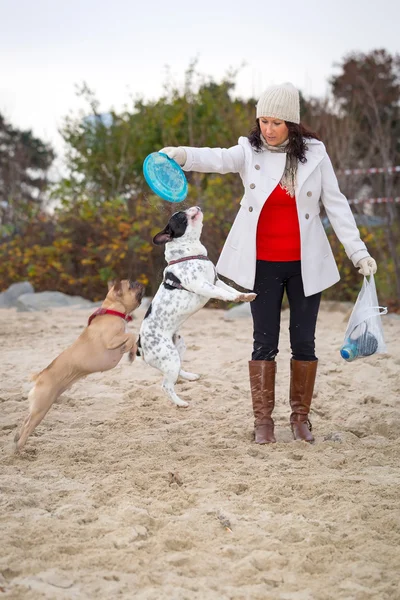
85,244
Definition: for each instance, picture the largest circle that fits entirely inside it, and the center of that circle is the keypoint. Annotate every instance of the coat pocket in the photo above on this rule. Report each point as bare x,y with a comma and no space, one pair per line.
238,228
326,249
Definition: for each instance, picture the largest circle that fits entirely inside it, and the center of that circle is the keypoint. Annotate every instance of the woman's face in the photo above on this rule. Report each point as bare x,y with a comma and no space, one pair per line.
274,131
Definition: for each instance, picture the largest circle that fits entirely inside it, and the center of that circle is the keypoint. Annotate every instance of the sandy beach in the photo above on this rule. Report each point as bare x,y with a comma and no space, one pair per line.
119,494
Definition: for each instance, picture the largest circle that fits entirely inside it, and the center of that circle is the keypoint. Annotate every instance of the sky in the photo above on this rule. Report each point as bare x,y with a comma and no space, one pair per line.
122,49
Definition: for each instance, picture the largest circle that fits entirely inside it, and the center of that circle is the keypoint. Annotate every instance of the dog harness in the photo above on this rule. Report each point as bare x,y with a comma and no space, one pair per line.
108,311
172,281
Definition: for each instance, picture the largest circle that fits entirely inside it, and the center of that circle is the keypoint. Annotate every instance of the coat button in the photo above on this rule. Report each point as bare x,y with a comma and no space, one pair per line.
252,186
307,216
257,167
309,194
250,209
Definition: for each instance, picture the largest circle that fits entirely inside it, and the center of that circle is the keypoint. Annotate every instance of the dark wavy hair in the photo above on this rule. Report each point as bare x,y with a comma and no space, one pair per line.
298,135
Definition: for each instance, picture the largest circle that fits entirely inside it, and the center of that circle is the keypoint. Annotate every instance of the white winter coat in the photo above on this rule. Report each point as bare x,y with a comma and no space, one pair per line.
260,173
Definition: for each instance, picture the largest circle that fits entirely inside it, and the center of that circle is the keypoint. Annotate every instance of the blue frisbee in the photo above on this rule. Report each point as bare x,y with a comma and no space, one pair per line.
165,177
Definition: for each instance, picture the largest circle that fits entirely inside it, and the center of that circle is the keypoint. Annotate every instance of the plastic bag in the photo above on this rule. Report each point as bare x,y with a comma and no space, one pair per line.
364,333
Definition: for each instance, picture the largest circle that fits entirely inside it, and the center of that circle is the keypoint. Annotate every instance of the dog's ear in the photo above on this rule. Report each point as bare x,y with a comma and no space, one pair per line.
117,287
162,237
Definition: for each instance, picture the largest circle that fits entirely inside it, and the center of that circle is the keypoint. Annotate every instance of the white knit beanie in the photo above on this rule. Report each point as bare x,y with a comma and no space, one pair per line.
280,101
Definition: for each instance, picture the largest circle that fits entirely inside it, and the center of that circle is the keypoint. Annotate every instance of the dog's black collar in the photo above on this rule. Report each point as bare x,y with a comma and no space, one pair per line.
197,257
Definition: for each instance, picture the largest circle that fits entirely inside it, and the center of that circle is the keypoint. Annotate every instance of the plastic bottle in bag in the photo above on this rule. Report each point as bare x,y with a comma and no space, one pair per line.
349,350
363,345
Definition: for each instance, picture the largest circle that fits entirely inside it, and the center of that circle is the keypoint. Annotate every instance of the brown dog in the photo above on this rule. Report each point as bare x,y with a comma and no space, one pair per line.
99,348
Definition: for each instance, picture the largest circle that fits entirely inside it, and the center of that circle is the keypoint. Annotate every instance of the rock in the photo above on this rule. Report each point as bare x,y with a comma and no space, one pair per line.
44,300
238,312
10,296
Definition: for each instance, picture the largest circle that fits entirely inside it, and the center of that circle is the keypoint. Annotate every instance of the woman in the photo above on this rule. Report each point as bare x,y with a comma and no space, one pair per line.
278,243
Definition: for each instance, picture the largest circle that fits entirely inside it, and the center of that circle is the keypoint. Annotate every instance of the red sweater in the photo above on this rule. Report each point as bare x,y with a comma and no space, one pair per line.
278,231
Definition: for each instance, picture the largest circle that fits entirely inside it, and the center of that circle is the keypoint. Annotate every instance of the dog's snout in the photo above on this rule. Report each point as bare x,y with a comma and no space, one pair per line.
139,287
194,212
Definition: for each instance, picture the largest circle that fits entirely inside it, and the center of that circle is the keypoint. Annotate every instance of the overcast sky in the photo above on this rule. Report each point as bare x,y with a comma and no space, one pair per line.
121,48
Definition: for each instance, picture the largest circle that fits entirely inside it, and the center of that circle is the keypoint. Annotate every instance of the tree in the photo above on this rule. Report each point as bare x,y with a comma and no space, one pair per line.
368,91
24,164
106,154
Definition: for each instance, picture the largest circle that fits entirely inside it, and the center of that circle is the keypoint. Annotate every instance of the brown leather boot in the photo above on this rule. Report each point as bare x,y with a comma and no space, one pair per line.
302,379
262,385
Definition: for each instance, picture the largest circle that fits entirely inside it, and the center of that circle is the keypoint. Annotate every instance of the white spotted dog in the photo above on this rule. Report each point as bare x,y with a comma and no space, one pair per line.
190,280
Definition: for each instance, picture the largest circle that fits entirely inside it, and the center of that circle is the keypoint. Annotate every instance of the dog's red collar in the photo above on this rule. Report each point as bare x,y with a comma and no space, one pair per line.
107,311
178,260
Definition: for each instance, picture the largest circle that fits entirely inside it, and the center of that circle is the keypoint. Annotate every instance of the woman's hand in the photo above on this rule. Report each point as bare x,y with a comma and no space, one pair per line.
176,152
367,266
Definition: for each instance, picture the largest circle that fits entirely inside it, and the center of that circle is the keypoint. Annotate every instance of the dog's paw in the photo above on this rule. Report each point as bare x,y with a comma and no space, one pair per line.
250,297
131,355
246,297
180,403
188,376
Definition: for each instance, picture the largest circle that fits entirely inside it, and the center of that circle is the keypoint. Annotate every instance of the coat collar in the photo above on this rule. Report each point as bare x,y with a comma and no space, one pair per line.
275,165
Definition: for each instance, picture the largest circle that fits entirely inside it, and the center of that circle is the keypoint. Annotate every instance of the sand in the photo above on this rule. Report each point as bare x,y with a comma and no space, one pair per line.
119,494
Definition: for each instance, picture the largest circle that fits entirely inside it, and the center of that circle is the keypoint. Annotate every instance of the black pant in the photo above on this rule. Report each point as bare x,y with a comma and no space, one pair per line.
272,279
